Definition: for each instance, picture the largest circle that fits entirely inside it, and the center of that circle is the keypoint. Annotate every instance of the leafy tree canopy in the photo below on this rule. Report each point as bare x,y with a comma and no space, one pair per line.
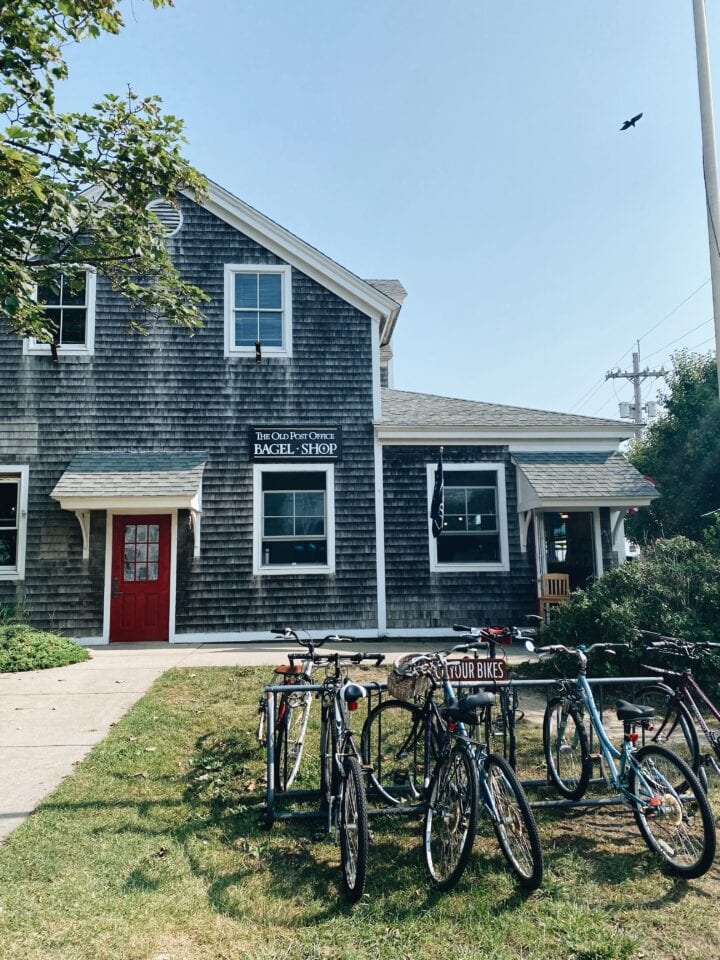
74,186
681,452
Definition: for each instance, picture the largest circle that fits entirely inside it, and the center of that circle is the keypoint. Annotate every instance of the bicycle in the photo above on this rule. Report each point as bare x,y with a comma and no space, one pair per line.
292,709
342,786
667,801
403,739
675,698
499,725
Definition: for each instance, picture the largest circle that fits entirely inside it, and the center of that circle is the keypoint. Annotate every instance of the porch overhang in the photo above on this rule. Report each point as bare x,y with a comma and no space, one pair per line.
132,481
579,480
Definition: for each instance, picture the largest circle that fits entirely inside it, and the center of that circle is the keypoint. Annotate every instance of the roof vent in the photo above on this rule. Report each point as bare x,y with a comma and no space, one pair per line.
169,215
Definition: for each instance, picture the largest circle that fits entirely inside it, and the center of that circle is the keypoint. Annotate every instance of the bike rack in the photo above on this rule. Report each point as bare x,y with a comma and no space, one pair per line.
375,693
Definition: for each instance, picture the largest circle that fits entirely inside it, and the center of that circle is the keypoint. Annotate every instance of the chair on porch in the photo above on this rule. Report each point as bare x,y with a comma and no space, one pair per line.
554,590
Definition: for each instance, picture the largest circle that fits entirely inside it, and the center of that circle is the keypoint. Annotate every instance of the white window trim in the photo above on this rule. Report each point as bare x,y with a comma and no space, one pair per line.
23,474
293,569
286,272
31,346
504,564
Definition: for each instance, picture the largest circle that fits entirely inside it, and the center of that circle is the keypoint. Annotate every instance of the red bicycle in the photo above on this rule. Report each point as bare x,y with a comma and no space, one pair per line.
675,700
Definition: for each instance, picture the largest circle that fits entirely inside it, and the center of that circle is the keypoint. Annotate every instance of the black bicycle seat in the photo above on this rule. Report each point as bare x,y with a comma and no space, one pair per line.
353,692
633,711
465,710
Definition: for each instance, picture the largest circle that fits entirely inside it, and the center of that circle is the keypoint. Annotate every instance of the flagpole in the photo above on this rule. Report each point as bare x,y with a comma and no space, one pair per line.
712,191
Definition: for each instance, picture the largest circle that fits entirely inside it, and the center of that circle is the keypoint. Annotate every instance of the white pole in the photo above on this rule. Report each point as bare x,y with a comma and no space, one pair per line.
712,192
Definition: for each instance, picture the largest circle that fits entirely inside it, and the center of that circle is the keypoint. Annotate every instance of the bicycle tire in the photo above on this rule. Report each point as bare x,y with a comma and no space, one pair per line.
451,817
391,744
290,742
328,770
513,822
353,830
568,759
666,826
673,727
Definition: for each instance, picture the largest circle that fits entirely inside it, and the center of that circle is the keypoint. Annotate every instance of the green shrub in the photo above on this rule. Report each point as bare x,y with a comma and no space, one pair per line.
22,648
673,589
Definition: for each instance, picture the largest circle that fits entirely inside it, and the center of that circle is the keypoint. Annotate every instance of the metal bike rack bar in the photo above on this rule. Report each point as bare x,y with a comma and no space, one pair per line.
379,689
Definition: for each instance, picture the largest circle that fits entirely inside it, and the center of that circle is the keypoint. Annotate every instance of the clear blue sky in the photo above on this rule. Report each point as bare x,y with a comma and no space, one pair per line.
470,149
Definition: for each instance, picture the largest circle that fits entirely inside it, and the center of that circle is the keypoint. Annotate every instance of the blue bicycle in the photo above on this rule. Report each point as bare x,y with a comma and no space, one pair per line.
669,805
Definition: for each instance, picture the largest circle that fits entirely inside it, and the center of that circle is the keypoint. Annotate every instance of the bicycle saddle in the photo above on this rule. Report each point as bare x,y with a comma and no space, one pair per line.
633,711
287,669
465,710
352,692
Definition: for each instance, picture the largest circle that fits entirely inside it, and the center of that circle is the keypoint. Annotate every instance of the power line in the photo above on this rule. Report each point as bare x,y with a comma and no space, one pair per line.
592,390
681,337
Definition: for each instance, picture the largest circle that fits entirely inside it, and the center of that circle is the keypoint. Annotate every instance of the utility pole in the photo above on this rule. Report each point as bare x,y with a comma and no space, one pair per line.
712,192
637,376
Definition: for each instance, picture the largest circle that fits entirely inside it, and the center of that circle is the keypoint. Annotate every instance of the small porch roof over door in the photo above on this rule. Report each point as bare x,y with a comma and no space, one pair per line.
132,481
574,479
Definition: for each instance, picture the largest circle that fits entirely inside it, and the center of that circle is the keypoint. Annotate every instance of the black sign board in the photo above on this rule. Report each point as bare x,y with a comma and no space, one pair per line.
295,443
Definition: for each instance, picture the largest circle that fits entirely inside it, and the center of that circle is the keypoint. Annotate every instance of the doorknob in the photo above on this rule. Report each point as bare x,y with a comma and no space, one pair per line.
115,587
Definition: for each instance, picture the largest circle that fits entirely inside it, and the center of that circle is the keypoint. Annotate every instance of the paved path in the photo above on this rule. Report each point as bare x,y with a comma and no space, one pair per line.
50,719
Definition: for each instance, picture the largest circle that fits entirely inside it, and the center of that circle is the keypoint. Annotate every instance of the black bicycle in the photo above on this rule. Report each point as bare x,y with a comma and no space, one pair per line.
342,783
403,740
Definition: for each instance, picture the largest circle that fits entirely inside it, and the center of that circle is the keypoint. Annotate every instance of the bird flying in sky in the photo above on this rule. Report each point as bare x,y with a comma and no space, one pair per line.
630,123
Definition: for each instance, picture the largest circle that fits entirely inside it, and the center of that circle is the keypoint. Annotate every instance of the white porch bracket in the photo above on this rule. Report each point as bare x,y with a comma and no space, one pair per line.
525,518
195,515
83,518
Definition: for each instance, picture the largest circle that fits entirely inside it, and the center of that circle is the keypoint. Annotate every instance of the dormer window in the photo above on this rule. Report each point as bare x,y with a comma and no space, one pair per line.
69,301
258,309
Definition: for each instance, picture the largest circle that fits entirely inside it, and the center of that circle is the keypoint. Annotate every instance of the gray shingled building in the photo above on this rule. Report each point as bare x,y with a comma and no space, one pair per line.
173,488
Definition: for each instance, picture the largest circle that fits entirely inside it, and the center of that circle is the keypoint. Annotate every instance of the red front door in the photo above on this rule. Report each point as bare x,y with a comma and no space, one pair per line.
140,585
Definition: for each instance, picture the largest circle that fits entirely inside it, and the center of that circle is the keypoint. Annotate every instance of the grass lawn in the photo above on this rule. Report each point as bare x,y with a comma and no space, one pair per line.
154,850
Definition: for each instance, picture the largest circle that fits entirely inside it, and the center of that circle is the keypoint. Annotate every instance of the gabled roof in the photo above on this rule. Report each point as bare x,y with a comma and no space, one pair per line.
598,476
402,410
376,298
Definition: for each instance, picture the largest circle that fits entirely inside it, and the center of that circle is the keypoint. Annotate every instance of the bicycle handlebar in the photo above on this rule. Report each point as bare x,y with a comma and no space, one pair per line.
581,651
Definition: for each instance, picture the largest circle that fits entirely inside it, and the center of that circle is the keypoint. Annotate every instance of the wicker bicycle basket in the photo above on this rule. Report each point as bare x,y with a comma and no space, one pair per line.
410,681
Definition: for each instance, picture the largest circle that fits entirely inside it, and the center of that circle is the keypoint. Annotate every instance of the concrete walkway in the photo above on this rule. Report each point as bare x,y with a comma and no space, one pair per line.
50,719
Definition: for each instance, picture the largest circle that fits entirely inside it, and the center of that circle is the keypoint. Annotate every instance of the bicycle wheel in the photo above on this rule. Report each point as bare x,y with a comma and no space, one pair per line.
392,745
290,739
328,769
451,817
565,744
353,830
672,727
679,827
513,822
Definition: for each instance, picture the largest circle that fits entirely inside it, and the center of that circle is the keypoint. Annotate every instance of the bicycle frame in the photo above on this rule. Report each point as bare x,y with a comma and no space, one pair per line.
686,686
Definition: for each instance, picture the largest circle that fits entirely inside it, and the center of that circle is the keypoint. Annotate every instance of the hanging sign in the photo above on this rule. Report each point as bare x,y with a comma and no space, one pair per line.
469,669
295,443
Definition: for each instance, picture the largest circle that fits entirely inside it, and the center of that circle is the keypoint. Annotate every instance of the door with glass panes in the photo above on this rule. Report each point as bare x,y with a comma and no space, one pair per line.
140,583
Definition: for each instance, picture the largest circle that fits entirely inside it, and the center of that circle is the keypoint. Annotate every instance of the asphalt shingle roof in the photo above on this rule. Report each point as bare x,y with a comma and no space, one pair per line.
402,408
116,474
562,475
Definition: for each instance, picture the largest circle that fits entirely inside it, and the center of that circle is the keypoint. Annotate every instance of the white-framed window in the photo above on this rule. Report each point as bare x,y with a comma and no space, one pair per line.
258,309
13,521
294,518
70,314
474,535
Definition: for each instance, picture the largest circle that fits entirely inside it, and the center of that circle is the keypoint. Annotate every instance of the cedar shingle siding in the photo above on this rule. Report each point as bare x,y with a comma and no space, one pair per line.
173,392
419,598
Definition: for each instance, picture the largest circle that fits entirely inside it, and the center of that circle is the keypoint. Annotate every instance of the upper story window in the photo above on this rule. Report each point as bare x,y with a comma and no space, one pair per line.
474,535
13,511
258,309
69,314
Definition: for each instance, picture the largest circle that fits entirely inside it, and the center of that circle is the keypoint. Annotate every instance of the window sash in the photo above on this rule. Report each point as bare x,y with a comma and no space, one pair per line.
68,305
10,526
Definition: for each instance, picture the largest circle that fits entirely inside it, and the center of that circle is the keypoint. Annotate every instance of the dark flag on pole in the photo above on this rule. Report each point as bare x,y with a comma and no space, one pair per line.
437,507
